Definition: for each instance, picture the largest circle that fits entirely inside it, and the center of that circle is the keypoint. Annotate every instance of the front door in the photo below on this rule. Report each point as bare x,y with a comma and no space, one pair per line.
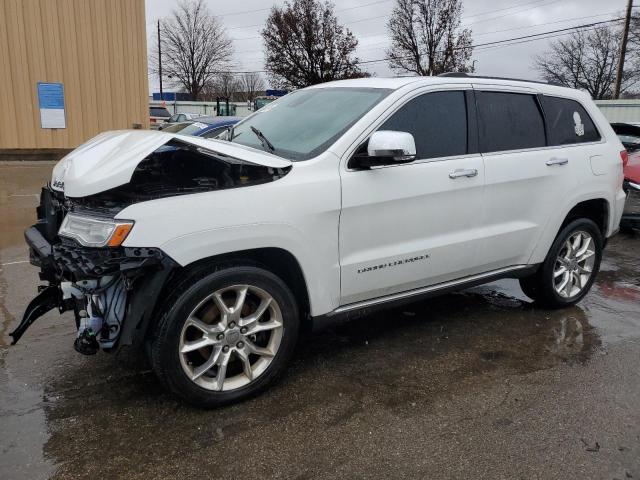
411,225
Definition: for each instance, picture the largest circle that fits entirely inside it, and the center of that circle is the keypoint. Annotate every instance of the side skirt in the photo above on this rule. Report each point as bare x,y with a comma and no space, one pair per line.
365,307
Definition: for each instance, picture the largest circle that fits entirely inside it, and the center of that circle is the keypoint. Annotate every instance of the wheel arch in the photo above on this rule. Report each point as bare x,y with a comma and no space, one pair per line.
277,260
597,209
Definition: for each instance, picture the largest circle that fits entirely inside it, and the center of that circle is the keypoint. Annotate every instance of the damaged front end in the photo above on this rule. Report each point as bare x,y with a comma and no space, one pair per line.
78,241
96,283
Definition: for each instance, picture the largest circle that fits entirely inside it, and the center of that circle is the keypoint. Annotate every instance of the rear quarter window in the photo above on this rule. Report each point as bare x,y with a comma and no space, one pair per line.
568,122
509,121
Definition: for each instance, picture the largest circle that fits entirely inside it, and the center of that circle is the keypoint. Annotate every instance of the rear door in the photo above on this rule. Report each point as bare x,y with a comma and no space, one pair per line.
527,178
416,224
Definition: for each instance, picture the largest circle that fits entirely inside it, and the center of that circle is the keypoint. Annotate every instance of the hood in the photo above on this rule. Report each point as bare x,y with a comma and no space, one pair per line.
109,159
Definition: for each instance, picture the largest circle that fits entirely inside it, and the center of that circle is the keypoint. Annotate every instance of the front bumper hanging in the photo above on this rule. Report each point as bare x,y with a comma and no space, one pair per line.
48,299
143,270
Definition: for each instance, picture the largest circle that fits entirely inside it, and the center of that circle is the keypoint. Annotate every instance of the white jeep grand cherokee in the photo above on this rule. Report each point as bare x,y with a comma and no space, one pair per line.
335,199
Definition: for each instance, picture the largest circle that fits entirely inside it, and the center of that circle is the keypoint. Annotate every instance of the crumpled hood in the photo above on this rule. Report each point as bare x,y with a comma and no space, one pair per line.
109,159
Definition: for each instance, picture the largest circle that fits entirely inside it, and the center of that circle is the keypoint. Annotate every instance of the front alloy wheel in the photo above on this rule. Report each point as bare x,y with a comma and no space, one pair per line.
231,337
225,334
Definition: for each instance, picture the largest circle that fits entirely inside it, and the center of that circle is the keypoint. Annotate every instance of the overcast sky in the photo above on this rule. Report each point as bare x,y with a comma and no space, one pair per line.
489,20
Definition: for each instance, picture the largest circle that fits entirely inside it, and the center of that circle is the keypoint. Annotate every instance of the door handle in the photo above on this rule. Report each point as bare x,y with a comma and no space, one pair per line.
557,161
469,172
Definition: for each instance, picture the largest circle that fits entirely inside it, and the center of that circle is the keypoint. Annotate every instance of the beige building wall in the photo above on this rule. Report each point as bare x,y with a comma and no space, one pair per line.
96,48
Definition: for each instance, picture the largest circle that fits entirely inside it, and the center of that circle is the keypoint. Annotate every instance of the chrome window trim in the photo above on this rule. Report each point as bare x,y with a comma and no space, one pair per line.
537,149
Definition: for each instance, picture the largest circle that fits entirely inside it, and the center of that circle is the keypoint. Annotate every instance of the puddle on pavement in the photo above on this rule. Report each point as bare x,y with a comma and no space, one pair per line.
435,349
20,185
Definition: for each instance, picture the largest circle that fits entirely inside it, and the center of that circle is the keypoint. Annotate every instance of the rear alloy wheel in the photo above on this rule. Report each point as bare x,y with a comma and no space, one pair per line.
574,265
225,336
570,268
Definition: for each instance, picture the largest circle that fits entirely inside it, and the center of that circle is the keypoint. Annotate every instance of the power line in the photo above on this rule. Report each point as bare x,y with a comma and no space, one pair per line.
337,11
496,47
242,13
389,14
476,15
502,9
504,42
374,45
497,42
525,38
363,5
511,13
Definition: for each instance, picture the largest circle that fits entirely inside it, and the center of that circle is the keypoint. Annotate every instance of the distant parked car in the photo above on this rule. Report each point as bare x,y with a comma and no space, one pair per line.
180,118
629,135
157,116
215,126
207,127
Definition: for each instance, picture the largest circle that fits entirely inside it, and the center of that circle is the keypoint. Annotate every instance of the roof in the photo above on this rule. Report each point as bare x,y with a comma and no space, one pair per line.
395,83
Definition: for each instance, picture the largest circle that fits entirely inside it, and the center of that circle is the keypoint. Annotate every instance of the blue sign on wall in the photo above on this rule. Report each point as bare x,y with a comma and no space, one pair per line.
51,103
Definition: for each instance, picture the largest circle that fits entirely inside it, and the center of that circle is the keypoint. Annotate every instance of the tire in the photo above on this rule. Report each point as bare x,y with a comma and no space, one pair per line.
546,285
210,358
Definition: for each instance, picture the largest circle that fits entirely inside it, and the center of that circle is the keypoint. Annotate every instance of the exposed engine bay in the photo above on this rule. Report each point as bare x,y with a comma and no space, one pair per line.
180,169
113,290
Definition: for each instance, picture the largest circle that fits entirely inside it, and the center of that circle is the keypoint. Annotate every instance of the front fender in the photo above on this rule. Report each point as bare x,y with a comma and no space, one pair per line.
322,277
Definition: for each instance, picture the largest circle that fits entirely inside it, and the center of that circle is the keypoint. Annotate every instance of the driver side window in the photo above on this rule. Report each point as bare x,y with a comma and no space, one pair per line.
437,121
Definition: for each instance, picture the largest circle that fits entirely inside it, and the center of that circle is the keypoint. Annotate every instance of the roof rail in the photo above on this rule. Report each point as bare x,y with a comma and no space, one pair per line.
466,75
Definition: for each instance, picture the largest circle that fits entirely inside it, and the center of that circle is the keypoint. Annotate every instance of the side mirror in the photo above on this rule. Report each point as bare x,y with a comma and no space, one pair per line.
387,147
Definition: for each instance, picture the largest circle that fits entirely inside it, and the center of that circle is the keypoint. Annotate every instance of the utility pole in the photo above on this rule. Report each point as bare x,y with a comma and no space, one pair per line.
623,51
160,62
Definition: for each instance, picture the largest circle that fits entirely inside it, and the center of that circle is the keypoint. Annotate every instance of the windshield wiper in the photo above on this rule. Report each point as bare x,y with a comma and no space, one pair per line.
263,140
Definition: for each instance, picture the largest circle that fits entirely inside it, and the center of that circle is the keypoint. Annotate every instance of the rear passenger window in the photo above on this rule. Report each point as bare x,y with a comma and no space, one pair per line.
509,121
568,122
437,121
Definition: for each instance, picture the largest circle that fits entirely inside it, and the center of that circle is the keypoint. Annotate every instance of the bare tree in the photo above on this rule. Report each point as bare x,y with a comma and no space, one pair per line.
587,60
427,37
251,84
305,45
195,47
227,85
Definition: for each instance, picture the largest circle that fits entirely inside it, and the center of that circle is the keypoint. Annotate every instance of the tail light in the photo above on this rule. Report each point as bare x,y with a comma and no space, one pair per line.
624,155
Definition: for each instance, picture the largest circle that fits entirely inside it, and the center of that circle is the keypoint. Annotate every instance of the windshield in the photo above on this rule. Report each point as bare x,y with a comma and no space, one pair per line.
303,124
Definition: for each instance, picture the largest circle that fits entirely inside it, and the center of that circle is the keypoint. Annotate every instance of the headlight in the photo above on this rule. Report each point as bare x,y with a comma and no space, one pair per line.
94,232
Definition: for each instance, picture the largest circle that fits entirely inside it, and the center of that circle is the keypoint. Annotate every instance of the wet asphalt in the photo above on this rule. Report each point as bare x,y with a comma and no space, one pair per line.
476,384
